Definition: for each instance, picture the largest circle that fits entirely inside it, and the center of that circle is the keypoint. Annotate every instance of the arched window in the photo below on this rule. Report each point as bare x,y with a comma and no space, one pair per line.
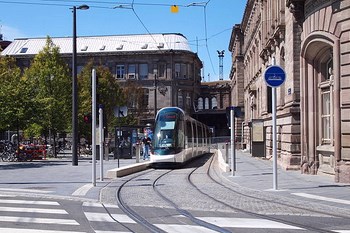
200,103
214,103
206,103
326,103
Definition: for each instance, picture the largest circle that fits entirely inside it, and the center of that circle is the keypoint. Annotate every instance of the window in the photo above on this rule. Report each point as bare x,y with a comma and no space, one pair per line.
180,101
120,73
184,71
144,101
206,103
132,71
23,50
143,72
200,103
181,70
162,69
214,103
326,116
177,70
326,105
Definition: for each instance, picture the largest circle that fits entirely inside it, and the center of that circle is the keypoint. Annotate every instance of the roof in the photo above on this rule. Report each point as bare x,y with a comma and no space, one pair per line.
102,44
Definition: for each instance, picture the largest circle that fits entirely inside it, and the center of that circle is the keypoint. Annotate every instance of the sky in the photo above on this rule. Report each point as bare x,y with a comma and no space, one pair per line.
207,24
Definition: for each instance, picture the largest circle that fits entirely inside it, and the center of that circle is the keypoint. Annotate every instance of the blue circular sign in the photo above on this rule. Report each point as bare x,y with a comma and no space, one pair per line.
274,76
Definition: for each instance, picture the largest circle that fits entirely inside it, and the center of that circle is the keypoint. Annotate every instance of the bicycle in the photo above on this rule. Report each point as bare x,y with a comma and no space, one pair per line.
7,151
23,155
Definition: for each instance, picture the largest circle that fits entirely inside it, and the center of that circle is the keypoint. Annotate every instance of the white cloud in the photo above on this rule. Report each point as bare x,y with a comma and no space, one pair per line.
10,33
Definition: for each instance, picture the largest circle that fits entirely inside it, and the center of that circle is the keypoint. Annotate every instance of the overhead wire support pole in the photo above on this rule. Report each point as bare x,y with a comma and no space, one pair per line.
75,87
94,121
74,94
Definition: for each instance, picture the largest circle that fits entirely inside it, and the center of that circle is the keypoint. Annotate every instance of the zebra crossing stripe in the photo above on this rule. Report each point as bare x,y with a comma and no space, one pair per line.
247,223
173,228
104,217
113,231
38,220
25,190
26,202
33,210
99,205
20,230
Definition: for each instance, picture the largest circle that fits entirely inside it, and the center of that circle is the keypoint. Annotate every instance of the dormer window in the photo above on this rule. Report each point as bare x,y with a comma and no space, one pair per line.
145,46
120,47
103,47
160,45
84,48
23,50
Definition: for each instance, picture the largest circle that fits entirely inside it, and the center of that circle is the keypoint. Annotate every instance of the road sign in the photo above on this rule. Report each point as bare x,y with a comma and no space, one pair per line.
274,76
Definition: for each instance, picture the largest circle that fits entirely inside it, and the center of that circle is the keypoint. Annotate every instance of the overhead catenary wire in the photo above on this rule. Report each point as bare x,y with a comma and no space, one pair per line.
114,5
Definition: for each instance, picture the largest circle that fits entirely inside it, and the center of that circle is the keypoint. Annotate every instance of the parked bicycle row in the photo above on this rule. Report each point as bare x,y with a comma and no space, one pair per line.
10,152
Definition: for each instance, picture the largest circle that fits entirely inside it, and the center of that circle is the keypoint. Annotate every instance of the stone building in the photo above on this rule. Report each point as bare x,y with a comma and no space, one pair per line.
163,62
210,108
310,40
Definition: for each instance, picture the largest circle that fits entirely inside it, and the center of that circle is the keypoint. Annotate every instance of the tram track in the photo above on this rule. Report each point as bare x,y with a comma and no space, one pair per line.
164,190
255,198
142,220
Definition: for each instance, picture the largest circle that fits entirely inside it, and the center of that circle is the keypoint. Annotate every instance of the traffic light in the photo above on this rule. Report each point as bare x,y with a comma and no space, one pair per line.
87,118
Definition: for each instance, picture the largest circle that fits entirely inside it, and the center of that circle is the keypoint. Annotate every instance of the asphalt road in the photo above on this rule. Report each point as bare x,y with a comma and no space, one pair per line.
54,196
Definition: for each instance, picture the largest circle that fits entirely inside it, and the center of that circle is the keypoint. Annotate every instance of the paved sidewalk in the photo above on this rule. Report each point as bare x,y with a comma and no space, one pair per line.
257,174
57,177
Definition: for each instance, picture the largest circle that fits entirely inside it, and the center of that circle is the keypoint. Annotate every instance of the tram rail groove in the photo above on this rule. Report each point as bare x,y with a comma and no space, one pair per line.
185,212
276,219
280,200
130,212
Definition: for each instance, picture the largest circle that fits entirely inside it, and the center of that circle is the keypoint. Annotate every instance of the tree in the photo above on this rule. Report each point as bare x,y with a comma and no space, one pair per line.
48,78
109,94
135,93
14,96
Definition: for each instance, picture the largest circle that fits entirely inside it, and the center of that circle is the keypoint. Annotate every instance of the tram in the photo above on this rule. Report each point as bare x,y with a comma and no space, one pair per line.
177,138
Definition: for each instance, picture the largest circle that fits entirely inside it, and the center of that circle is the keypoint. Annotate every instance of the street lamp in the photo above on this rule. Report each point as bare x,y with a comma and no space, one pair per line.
75,88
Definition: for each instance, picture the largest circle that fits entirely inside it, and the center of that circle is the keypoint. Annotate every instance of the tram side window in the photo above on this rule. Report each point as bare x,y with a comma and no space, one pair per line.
189,133
200,136
181,134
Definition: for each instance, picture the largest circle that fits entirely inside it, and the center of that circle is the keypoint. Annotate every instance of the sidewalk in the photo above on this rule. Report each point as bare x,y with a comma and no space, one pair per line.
57,177
257,174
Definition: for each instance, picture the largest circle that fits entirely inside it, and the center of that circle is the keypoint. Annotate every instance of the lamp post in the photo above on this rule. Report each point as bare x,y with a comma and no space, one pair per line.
75,88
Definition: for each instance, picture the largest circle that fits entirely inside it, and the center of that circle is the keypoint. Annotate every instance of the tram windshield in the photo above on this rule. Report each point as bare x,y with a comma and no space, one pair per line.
166,132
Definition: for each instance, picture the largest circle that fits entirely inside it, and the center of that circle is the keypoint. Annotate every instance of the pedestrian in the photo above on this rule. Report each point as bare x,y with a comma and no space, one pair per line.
146,141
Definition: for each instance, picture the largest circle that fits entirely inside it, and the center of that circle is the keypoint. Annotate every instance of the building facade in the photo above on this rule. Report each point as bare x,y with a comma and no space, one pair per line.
163,65
310,40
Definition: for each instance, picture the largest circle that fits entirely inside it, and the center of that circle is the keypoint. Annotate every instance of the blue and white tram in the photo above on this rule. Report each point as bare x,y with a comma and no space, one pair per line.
177,137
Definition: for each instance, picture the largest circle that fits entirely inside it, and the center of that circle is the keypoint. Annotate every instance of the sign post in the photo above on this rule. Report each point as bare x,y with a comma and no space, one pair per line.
94,123
274,77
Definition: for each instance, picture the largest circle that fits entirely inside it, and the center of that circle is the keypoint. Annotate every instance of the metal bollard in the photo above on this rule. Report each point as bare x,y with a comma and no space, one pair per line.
226,153
137,150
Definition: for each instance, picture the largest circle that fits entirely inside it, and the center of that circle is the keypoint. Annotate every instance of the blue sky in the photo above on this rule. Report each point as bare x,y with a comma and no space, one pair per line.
207,32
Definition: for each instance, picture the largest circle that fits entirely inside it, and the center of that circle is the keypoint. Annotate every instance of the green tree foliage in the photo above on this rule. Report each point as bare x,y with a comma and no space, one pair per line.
108,91
14,99
49,82
135,102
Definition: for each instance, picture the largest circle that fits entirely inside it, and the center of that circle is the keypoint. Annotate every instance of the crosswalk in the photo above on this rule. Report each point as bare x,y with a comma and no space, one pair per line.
39,215
105,218
18,214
